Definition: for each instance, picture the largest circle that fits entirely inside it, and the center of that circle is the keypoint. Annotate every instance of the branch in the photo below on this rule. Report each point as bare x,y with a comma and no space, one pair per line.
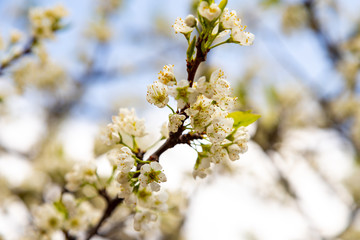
332,49
193,65
111,206
177,137
26,50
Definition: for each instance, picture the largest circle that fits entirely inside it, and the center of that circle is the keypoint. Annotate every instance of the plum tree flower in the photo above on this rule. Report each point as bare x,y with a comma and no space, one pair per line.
219,128
166,76
183,93
175,121
229,19
241,138
180,26
211,12
128,122
201,113
82,173
152,175
215,88
45,21
240,35
122,158
157,94
47,218
143,219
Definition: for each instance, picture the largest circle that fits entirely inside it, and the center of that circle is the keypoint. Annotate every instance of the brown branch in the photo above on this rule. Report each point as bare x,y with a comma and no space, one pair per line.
26,50
111,206
68,236
193,65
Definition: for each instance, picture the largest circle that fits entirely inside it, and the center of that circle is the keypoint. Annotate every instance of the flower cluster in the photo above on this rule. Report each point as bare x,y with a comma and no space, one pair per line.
44,22
67,214
125,123
206,106
82,174
138,181
217,20
202,118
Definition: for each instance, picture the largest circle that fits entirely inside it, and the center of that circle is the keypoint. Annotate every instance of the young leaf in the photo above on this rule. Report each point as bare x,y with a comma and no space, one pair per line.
190,50
243,119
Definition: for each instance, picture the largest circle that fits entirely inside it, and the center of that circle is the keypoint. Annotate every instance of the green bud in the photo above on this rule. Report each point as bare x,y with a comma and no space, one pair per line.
223,4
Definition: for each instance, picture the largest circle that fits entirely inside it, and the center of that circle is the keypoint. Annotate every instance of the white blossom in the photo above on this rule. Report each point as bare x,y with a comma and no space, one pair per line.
180,26
157,94
47,218
175,121
158,202
203,168
122,158
234,152
129,123
183,93
218,153
151,174
144,195
166,76
244,38
82,173
241,138
226,103
143,219
69,202
217,87
229,19
201,113
211,12
219,128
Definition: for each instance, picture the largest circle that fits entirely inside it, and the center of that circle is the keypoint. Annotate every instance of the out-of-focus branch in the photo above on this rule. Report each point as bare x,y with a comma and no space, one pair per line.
111,205
332,49
28,48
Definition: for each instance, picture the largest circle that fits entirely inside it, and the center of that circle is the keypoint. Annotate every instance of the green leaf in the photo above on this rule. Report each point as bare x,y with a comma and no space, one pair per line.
243,119
269,3
190,50
223,4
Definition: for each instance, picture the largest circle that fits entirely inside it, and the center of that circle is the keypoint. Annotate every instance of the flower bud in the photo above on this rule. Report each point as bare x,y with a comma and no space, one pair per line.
190,20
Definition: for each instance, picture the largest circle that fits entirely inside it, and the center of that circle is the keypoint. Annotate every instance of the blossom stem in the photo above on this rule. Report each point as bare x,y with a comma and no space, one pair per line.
111,176
170,108
216,45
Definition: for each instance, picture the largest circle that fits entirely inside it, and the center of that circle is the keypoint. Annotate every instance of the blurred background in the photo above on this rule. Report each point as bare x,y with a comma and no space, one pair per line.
300,178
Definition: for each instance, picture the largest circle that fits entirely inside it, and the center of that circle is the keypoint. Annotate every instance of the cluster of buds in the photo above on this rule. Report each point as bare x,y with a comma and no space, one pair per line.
138,183
216,21
44,22
205,108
